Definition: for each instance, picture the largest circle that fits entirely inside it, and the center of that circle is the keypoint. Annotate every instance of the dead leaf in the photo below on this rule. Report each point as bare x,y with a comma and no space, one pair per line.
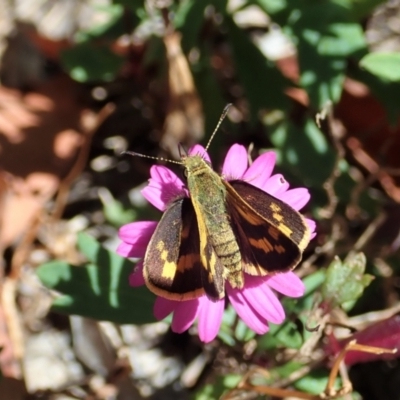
184,121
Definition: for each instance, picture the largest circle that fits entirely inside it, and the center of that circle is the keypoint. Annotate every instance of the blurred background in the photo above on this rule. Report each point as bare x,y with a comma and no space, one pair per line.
84,80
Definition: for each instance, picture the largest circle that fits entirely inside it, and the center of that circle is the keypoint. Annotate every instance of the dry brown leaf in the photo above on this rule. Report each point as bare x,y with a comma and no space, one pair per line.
184,121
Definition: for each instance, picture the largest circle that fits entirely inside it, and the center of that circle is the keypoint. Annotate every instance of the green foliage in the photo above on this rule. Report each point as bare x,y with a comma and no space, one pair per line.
383,65
289,334
345,281
325,36
303,151
87,62
215,390
232,330
117,214
92,59
263,83
315,382
98,290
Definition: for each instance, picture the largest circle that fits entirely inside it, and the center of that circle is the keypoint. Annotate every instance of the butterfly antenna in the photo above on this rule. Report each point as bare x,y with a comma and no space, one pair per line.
221,118
132,153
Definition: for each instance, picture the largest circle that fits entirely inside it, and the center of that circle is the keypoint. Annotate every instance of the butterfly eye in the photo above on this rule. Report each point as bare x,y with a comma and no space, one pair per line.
185,173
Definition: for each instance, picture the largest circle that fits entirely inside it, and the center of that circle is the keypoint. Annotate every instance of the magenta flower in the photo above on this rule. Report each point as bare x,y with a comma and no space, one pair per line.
256,303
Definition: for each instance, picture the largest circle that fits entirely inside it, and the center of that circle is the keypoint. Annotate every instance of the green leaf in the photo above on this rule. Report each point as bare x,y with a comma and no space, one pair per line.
90,248
285,335
315,382
346,281
100,290
111,29
313,281
272,7
243,333
384,65
285,370
341,39
278,10
288,335
226,331
117,214
215,390
90,62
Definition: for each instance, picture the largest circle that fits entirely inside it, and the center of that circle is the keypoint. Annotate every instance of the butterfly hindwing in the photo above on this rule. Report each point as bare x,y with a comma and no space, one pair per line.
271,234
213,271
173,266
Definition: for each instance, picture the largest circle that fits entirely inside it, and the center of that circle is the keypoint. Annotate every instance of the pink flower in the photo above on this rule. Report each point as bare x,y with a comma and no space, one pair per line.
256,303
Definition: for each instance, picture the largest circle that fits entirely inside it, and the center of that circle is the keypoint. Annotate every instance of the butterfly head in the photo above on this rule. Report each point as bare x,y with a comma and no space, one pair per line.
194,164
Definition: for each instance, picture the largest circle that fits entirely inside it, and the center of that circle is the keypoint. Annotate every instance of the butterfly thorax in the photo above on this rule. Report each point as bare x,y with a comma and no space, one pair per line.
208,195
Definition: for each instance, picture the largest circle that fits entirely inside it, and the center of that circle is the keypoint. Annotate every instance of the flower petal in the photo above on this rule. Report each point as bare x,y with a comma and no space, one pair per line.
260,171
287,283
209,318
184,315
164,186
163,307
137,235
125,250
276,185
296,198
261,298
198,149
136,277
250,317
235,163
312,225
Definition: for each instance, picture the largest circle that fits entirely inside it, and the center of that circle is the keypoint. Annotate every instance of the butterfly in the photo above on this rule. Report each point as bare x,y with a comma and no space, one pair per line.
222,231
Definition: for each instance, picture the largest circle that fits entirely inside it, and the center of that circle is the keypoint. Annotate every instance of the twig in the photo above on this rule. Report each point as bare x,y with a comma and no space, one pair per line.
329,393
380,173
369,232
327,115
11,315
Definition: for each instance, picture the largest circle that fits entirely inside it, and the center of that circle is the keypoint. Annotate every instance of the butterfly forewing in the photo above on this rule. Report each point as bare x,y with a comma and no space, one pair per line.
173,266
270,234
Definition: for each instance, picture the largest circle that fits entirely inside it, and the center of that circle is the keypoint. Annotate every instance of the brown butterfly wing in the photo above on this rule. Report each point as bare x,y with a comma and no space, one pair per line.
172,265
270,234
